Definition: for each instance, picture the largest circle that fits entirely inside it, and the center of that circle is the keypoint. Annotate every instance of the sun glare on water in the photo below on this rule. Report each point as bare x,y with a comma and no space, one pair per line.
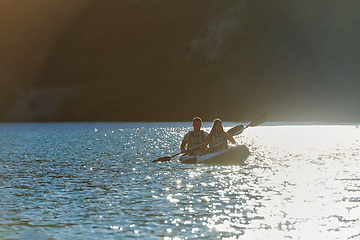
316,143
312,169
297,184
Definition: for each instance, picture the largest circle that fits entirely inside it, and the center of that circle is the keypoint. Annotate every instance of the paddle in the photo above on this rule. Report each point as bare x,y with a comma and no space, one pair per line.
256,122
165,159
233,131
259,120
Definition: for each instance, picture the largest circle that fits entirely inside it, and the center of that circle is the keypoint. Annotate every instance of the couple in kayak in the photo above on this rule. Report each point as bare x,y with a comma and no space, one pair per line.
197,140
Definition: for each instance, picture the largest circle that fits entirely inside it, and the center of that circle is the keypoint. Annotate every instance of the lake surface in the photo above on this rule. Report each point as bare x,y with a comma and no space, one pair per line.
97,181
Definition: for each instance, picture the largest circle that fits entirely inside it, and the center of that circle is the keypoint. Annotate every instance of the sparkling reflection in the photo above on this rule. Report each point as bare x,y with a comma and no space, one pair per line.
66,180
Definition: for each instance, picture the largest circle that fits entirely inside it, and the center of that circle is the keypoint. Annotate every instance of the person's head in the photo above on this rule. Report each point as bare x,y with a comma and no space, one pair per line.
197,123
217,126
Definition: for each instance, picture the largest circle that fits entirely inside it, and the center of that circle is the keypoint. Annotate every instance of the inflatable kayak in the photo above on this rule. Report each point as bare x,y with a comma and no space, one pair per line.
232,156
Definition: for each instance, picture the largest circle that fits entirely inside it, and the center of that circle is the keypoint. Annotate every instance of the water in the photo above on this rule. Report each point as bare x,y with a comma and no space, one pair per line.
97,181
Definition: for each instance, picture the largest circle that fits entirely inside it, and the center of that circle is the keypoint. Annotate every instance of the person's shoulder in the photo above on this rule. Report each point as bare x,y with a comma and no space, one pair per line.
187,137
206,133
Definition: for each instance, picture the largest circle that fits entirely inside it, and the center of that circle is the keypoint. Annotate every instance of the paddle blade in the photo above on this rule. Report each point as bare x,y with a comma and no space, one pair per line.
235,130
162,159
259,120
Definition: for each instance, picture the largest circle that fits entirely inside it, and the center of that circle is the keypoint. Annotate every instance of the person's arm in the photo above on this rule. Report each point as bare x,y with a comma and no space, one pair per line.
207,141
182,146
184,142
230,138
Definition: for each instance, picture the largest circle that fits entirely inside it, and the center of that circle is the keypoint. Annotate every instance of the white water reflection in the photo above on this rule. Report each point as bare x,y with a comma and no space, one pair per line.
96,181
306,192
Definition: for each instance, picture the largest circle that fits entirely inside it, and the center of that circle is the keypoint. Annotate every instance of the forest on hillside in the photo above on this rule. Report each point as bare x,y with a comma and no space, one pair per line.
298,60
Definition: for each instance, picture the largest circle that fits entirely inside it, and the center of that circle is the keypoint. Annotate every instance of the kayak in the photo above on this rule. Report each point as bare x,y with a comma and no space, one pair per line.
231,156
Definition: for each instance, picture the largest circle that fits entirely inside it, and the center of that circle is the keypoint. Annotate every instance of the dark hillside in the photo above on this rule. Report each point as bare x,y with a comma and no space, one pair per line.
128,50
162,60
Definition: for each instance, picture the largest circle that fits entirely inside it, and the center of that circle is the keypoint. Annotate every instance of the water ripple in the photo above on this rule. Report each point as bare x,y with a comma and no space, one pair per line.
96,180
